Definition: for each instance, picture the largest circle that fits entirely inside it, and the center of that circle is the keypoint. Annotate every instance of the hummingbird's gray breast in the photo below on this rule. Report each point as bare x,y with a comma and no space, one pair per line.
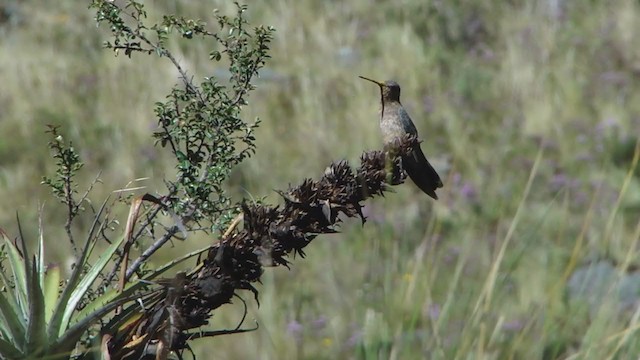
395,122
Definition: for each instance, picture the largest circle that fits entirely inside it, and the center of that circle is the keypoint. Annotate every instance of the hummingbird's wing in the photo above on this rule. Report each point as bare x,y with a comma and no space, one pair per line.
421,172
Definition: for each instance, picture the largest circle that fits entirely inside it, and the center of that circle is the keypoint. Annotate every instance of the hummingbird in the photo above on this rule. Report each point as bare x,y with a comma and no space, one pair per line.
394,123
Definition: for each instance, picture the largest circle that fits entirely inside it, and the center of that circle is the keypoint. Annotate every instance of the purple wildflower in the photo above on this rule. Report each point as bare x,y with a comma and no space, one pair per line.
513,326
355,338
319,323
468,191
294,328
434,311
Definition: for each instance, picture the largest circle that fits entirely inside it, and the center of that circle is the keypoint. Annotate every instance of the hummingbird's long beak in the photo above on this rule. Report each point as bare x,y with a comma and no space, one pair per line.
373,81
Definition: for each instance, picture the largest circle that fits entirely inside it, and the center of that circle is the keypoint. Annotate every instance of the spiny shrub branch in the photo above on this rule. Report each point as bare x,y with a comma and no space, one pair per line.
200,123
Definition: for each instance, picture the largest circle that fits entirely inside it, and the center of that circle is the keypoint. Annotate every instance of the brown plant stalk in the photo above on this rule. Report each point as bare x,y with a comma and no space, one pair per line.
269,235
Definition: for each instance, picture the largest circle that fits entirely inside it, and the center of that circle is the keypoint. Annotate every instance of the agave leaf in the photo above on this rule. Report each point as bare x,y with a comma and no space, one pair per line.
9,351
56,326
51,290
8,285
107,297
112,293
13,327
128,316
40,256
87,281
8,295
36,331
19,278
130,313
162,269
70,337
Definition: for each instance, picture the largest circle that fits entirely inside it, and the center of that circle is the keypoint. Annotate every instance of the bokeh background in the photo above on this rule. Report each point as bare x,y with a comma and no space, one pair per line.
530,110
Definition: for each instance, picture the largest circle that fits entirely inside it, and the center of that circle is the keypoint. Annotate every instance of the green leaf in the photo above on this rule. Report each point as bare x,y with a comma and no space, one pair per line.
14,325
9,351
88,279
128,315
106,298
36,331
70,337
13,328
51,290
49,279
40,256
56,326
19,278
132,287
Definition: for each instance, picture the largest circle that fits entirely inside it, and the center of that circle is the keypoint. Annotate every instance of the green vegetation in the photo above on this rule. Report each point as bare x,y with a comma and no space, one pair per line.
529,110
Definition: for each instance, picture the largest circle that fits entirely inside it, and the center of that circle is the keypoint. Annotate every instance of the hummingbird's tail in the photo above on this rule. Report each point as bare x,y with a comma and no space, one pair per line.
421,172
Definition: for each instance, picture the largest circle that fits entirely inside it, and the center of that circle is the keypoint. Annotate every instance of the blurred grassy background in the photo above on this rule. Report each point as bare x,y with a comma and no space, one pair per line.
530,110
